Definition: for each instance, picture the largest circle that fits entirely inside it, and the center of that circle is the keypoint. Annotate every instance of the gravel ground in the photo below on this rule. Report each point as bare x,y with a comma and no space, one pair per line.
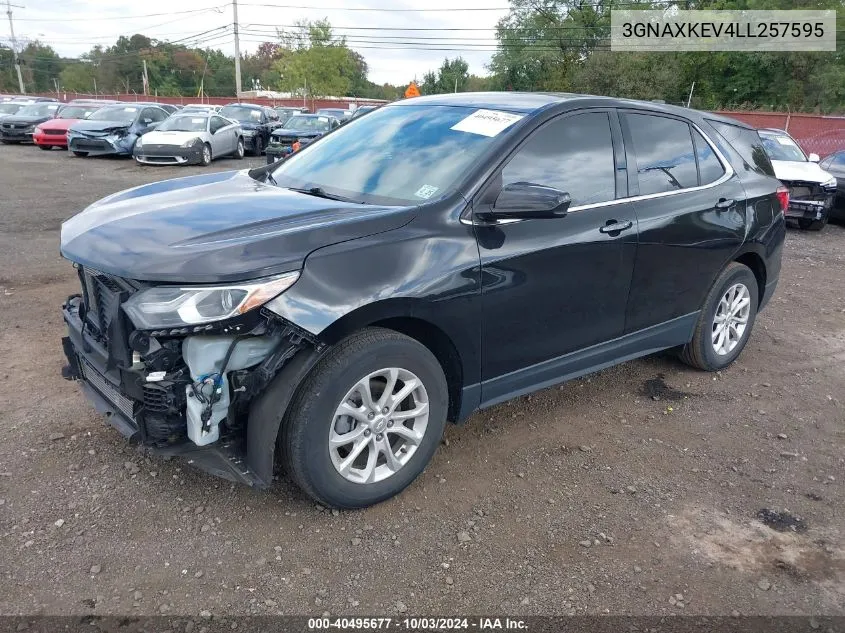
636,490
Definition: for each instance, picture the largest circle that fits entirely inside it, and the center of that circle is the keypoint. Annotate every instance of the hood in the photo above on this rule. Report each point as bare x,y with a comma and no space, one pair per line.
791,171
282,131
169,138
26,120
214,228
85,125
59,124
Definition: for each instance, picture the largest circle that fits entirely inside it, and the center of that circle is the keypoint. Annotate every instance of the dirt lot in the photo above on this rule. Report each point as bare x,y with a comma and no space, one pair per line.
635,490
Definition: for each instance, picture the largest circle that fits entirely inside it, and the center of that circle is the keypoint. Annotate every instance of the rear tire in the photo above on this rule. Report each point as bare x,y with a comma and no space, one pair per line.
315,462
701,352
80,154
239,150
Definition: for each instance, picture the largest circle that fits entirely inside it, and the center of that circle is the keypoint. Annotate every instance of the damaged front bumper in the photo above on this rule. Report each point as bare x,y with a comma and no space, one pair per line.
151,400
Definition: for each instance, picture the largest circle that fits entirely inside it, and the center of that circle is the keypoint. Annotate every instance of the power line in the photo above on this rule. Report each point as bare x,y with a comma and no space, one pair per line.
123,17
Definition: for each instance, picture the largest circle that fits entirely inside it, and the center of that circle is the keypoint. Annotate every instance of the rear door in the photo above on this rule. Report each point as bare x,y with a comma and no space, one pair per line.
692,217
554,286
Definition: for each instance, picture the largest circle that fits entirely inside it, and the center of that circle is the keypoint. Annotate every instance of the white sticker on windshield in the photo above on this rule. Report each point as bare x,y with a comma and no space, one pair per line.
324,119
198,120
130,109
426,191
487,122
784,140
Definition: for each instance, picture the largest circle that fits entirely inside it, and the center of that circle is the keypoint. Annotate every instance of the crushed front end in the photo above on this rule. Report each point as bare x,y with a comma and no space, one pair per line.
810,201
179,390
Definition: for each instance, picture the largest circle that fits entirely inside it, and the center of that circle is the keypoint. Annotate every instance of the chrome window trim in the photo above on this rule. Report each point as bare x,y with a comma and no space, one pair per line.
729,173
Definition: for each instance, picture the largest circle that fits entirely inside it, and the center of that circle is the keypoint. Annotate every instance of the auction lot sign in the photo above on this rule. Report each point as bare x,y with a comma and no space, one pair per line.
686,31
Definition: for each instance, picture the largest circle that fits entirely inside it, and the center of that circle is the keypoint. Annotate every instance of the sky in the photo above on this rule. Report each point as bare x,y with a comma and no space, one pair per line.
394,56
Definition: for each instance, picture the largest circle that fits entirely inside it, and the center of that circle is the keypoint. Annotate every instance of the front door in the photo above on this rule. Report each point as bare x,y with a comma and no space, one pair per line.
551,287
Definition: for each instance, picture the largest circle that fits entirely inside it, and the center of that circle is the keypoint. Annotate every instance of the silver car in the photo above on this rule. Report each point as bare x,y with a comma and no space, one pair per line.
190,138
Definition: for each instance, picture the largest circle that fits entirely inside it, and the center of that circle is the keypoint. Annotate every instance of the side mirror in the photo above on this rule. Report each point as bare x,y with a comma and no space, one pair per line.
813,158
147,121
525,200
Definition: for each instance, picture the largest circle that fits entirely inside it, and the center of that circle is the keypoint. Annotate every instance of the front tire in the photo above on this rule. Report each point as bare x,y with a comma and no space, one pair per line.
205,155
813,225
366,421
46,147
258,147
726,320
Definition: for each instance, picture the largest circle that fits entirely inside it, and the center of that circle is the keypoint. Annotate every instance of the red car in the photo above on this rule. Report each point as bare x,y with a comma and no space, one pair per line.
53,133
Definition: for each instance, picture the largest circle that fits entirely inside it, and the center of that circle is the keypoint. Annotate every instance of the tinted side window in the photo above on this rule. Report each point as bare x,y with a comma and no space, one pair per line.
154,114
748,144
574,154
709,167
216,123
665,155
839,160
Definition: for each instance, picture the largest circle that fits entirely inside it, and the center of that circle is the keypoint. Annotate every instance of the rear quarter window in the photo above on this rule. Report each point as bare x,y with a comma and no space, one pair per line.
747,143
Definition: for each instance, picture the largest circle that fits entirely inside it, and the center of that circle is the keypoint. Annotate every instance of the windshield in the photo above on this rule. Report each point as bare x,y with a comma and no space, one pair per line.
184,124
308,123
123,114
782,147
333,112
39,109
240,113
395,155
77,112
10,108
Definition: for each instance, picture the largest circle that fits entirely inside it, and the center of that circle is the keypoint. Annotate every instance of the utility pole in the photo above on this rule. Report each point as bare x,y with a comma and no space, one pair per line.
146,79
56,84
237,51
9,6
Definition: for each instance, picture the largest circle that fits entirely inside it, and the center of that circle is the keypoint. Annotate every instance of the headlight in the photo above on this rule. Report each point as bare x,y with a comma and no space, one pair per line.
172,306
190,143
829,183
139,142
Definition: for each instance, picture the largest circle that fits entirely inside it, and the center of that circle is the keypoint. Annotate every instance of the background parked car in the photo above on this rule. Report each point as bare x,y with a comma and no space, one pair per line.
811,188
167,107
190,137
255,122
113,129
298,132
19,127
286,112
53,133
9,108
200,107
834,164
341,114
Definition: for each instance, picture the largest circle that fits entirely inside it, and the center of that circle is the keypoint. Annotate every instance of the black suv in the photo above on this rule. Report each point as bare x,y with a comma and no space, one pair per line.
329,313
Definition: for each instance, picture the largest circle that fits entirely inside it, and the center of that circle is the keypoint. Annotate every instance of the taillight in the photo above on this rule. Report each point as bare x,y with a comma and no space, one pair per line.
783,197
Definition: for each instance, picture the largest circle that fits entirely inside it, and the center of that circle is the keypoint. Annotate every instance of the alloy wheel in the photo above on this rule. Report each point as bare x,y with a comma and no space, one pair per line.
731,319
378,425
206,155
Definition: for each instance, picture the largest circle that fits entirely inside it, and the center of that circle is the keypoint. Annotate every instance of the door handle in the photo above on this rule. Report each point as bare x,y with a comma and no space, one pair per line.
724,204
613,226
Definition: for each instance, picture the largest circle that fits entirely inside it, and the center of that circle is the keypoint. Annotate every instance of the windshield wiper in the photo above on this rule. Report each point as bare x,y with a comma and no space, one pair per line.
271,180
321,193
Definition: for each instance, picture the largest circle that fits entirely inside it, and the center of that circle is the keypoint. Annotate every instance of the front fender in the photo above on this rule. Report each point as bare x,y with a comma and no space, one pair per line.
413,272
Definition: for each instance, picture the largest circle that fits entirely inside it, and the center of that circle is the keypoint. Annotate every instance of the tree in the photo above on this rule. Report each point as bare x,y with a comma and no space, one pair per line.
314,62
452,76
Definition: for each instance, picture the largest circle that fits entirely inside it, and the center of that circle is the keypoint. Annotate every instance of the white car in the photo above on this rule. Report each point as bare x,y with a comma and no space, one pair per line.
811,188
190,138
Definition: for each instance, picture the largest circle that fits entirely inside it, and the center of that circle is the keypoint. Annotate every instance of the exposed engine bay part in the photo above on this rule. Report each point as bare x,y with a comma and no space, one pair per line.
209,359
